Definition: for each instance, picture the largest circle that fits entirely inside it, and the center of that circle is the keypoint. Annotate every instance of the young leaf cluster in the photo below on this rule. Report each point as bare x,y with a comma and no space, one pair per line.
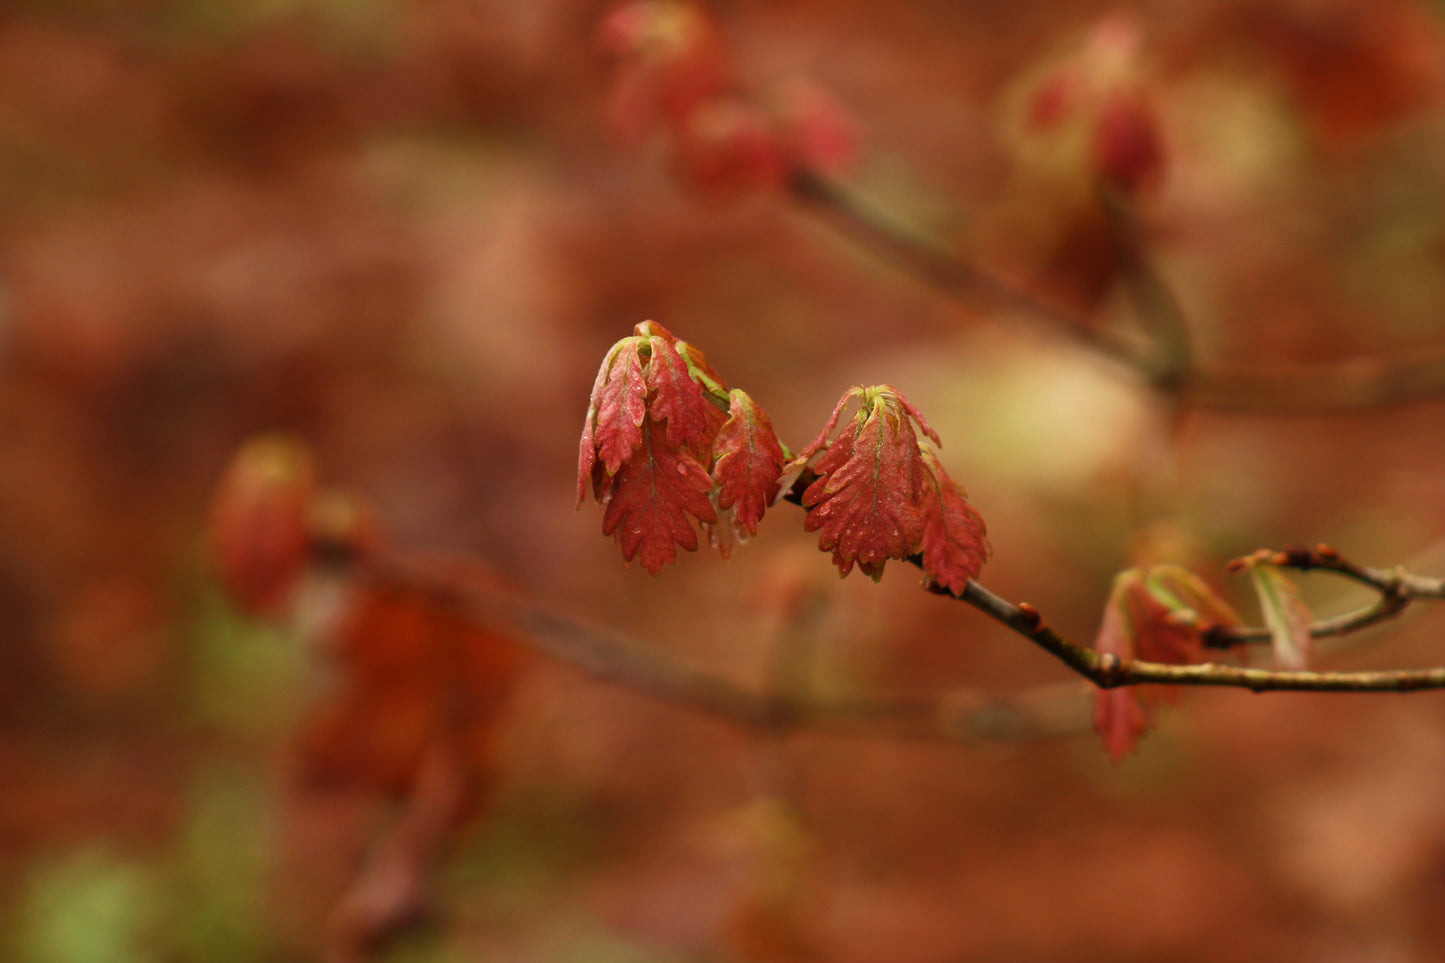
668,448
880,494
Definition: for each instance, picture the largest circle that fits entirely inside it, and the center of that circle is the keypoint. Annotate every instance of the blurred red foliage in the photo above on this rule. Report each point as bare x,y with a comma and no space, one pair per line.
404,232
412,674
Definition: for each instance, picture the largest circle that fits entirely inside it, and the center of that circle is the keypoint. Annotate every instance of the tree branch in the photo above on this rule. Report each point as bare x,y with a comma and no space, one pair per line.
1349,384
959,715
933,265
1107,671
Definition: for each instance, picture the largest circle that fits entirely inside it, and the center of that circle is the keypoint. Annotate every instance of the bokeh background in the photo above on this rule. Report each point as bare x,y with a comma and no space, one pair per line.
404,231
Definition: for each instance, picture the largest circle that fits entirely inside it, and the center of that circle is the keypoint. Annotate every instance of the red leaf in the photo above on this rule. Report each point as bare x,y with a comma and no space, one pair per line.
410,674
651,498
817,133
1185,591
1120,718
1168,610
1158,616
675,397
1160,634
587,450
747,462
702,372
725,147
955,541
816,445
865,499
1171,609
620,402
1127,149
915,414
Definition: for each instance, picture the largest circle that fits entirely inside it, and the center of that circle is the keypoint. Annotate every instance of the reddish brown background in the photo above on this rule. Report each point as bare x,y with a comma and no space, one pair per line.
401,229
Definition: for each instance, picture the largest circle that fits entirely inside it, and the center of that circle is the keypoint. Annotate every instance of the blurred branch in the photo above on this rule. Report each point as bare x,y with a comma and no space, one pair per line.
936,266
1154,301
959,715
956,716
1349,384
389,893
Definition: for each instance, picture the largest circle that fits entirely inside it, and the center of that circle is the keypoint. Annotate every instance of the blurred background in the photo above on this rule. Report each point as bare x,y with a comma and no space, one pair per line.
407,231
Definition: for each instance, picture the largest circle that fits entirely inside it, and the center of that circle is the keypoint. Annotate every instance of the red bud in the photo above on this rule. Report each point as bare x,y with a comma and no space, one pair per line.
259,537
1128,153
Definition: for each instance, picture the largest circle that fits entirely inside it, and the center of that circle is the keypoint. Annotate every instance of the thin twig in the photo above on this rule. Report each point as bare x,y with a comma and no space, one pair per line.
1155,303
1396,590
1108,671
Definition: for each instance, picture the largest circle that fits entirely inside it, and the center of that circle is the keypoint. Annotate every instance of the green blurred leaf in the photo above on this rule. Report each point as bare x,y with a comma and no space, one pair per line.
217,907
1285,614
90,906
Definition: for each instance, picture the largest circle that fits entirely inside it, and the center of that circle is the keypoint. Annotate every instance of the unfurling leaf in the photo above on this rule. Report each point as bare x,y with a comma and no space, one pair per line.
1190,598
651,499
1120,718
1158,615
866,498
955,541
614,418
748,461
1171,609
647,445
880,495
1285,614
661,455
674,397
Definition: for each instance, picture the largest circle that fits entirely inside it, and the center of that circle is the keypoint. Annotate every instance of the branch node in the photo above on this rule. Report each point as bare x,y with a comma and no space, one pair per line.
1029,617
1297,557
1110,672
1219,637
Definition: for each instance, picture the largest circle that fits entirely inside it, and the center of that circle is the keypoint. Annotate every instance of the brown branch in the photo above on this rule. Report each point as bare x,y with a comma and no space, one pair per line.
1396,590
1348,384
959,715
1108,672
938,267
1154,301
